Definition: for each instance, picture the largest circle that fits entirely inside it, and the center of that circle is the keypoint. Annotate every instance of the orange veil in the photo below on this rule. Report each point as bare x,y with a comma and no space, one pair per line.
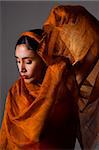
27,107
72,31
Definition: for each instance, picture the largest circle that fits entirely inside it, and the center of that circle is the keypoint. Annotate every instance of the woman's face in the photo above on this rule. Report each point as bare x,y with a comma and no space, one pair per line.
29,63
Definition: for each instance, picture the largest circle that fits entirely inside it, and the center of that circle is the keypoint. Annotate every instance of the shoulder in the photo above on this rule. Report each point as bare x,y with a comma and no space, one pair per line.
13,90
15,86
60,68
61,62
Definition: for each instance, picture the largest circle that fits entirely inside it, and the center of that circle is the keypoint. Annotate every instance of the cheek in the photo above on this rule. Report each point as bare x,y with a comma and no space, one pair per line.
32,68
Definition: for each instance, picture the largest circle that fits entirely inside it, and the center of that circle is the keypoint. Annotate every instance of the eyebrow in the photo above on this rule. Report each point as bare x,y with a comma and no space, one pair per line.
23,57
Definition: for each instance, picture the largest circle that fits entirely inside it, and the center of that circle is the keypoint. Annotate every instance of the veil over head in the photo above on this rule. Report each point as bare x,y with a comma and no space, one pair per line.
71,32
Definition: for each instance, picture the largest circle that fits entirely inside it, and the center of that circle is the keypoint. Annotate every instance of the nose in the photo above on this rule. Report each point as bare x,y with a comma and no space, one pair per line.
22,68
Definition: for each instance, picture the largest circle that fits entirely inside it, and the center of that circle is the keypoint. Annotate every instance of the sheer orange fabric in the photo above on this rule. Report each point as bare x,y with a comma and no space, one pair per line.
72,31
28,107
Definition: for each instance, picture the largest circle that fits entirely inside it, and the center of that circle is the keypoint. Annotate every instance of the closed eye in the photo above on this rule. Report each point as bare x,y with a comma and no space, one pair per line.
28,61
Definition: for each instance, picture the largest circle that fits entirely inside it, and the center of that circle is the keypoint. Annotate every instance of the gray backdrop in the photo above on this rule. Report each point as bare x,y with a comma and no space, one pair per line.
16,17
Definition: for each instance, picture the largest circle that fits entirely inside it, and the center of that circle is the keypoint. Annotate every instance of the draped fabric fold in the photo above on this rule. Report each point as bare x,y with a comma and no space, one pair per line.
27,108
72,32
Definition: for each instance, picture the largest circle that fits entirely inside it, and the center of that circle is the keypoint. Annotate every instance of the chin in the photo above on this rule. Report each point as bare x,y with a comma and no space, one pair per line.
29,80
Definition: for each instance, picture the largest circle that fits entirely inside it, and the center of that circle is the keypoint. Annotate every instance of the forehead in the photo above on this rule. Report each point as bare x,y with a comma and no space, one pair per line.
22,51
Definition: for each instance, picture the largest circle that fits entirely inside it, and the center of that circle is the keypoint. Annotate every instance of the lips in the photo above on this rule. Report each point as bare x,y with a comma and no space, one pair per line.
24,76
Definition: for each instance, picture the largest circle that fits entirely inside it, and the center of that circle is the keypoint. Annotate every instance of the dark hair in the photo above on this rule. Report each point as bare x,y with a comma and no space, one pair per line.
31,43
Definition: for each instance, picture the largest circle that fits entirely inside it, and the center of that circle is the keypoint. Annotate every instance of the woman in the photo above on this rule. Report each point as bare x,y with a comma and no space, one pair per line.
41,107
